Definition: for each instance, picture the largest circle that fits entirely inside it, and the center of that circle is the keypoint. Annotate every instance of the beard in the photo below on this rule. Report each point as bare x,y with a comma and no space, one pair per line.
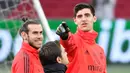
32,45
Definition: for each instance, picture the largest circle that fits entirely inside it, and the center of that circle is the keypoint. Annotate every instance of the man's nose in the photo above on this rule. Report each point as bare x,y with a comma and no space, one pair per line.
40,35
83,18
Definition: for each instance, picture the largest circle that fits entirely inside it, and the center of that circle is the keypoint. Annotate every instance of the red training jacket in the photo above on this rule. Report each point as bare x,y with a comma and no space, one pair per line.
84,54
27,60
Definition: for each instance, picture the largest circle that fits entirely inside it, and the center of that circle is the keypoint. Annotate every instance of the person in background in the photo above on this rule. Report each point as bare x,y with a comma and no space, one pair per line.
53,57
27,59
85,56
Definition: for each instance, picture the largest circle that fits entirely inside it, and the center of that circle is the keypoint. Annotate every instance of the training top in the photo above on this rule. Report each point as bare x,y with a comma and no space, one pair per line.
84,54
27,60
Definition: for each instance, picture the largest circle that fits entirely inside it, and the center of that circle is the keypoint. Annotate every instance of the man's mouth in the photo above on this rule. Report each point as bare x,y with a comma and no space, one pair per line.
84,24
38,41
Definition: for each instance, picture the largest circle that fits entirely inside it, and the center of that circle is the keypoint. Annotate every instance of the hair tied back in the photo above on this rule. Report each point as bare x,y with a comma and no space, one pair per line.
24,18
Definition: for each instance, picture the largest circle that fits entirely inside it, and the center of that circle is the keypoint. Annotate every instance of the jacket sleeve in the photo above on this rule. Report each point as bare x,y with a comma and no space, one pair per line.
105,70
69,45
22,66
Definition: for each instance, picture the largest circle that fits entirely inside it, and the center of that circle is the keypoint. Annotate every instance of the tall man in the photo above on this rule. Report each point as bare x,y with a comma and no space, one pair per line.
85,56
27,59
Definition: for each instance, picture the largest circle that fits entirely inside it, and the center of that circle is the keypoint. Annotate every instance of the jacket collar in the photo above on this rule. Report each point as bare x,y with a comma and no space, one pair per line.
27,47
89,37
56,67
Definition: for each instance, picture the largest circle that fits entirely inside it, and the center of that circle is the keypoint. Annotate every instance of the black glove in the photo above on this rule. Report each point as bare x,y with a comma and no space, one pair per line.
62,31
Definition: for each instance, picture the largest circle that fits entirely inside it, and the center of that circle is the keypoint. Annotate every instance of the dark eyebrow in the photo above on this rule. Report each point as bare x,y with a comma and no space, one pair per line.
87,14
80,15
35,31
41,31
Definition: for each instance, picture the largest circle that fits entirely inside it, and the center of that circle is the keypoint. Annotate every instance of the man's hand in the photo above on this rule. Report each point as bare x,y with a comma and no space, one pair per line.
62,31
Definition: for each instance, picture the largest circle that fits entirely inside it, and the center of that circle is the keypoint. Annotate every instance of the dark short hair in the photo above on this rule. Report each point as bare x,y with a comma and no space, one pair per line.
81,6
49,52
24,27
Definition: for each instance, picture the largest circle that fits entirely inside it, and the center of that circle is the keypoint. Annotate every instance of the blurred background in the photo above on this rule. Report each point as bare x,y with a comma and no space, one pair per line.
113,26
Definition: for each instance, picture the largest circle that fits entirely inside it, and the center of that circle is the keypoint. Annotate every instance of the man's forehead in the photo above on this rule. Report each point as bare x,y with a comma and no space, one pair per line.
35,27
32,25
83,11
62,47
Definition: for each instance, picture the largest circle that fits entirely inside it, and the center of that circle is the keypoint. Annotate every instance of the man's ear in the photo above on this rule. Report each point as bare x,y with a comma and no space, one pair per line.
74,20
95,18
58,59
24,35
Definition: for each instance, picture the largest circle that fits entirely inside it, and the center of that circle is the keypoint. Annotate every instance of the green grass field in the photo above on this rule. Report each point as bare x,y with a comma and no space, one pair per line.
110,69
